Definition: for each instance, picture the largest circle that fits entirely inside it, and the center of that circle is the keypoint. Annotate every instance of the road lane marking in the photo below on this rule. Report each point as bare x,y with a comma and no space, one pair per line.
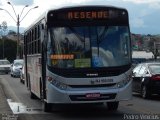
19,108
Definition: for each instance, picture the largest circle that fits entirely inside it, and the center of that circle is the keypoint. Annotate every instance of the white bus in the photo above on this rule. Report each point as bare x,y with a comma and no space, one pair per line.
79,55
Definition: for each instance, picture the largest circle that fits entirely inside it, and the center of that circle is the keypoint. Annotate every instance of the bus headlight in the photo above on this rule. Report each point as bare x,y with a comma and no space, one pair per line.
123,82
59,85
56,83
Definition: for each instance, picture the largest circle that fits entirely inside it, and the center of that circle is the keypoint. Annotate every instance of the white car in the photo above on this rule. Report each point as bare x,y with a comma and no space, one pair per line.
16,67
5,66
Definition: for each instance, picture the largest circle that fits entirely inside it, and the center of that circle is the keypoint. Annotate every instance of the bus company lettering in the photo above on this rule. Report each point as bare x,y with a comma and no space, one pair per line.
88,15
61,57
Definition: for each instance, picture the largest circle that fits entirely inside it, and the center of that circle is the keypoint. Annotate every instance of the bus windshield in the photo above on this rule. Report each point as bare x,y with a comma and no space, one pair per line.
88,46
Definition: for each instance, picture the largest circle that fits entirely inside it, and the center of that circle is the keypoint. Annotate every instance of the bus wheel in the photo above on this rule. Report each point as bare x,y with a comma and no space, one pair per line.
47,107
112,105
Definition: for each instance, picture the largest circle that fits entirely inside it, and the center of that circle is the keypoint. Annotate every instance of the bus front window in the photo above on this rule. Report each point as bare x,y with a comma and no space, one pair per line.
87,47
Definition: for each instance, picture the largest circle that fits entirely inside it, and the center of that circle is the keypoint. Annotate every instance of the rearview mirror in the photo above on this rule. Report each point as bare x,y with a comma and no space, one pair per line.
133,74
147,75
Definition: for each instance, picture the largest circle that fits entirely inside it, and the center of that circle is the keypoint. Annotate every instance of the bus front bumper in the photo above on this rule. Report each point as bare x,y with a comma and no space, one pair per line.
98,95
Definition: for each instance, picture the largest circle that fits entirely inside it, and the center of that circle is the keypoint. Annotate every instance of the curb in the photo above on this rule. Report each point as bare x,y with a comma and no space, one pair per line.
4,107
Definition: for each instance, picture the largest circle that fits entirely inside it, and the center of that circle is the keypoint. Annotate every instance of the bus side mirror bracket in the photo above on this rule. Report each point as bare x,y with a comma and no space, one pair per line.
42,35
43,41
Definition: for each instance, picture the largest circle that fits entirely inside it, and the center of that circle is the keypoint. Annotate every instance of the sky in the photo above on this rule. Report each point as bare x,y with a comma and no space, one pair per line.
144,15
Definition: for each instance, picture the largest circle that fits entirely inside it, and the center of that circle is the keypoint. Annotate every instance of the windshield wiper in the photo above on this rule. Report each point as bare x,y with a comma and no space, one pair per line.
100,38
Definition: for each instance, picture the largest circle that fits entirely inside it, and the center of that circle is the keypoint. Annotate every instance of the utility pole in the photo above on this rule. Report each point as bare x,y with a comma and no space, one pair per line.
4,29
18,24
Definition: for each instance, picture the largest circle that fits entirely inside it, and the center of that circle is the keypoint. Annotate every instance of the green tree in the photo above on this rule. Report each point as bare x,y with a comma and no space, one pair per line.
9,49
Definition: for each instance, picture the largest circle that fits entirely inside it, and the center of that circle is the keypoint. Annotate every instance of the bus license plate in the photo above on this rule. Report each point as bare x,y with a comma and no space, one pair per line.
93,95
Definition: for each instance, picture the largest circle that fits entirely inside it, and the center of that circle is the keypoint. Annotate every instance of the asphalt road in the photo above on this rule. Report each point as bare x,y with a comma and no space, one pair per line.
18,98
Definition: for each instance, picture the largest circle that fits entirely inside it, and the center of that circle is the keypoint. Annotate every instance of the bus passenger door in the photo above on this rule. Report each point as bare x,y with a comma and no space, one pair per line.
43,59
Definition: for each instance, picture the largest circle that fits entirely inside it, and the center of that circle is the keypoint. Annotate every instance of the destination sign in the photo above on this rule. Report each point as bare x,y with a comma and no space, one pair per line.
61,57
116,16
88,15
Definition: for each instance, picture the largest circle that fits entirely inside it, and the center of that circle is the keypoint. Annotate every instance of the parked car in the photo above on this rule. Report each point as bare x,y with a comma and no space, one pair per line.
5,66
16,67
146,79
19,61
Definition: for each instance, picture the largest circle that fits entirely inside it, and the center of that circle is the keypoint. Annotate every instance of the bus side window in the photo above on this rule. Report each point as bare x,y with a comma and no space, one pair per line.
38,37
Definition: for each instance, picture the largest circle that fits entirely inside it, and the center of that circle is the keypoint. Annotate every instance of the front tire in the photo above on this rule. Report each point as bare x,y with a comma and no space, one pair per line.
112,105
144,92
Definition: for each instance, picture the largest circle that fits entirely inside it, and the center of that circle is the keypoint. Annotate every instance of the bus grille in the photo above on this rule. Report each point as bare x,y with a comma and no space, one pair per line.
92,86
83,97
